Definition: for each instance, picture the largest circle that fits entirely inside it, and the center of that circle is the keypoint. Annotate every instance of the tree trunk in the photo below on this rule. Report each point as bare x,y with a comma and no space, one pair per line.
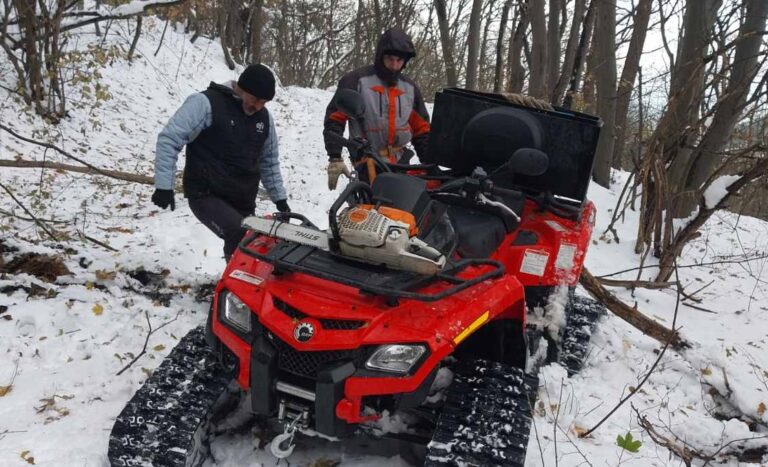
581,57
445,42
257,27
553,45
516,71
570,52
223,36
676,128
668,147
497,75
745,66
136,35
473,44
358,57
537,81
605,74
629,73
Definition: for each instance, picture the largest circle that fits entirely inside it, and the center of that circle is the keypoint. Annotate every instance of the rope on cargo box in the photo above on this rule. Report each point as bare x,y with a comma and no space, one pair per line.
527,101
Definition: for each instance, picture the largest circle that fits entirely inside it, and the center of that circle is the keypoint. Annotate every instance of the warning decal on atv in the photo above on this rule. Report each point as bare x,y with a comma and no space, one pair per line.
534,262
565,256
245,277
555,226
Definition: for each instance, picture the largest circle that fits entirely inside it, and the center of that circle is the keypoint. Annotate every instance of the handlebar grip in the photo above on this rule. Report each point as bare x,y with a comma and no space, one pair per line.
505,192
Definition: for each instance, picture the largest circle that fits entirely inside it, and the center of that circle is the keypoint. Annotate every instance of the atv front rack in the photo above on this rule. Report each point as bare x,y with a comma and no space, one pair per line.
287,256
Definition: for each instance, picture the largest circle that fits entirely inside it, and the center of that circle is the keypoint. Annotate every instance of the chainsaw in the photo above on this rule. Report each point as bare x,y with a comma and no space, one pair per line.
370,233
365,234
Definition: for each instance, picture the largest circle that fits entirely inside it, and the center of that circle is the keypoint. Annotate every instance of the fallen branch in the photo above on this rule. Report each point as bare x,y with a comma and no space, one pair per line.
682,452
89,170
631,315
687,454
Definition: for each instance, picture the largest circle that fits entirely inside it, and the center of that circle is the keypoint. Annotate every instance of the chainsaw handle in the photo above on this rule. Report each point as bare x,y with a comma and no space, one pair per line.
361,192
287,216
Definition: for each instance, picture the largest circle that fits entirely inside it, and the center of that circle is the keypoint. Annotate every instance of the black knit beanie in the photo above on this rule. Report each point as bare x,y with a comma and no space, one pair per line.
258,81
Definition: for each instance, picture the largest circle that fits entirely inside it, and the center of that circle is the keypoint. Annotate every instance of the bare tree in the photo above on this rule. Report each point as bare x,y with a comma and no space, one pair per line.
473,46
498,71
445,42
537,83
629,72
571,48
605,73
553,44
516,77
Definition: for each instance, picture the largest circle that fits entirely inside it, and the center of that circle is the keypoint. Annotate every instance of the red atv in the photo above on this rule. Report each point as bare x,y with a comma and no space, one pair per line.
425,267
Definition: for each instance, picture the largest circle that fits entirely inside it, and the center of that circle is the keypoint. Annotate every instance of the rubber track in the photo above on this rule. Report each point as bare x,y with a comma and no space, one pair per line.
165,422
486,419
582,314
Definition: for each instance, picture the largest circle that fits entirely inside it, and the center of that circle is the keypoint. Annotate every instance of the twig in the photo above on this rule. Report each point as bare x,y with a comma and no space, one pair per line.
29,213
146,341
700,308
690,296
693,265
565,433
47,221
536,433
557,416
98,242
631,284
648,375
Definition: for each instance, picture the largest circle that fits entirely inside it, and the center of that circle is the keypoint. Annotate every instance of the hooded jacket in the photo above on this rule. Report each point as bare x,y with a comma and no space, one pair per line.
395,113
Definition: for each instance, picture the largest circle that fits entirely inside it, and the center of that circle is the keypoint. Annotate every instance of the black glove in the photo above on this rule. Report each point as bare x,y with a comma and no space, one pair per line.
282,206
163,199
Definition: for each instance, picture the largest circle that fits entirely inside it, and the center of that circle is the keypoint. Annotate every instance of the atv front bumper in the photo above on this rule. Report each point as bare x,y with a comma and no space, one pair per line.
334,396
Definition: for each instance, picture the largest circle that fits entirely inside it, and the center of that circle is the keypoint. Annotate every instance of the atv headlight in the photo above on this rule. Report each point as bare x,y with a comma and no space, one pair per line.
234,312
398,358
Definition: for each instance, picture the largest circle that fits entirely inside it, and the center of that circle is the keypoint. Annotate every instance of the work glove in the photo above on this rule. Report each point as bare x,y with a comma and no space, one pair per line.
282,206
336,167
163,199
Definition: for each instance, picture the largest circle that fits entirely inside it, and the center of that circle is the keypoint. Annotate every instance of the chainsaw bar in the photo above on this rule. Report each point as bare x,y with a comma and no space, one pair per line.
287,231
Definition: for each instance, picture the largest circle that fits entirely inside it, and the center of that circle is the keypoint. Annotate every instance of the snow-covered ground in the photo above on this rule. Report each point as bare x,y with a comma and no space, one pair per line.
61,347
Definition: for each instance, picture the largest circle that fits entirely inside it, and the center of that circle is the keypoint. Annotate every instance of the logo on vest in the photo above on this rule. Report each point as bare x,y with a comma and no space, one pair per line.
260,127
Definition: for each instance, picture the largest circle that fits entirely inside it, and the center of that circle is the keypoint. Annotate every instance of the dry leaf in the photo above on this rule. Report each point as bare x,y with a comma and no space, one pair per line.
97,309
761,409
579,430
105,275
4,390
706,371
159,348
89,285
25,455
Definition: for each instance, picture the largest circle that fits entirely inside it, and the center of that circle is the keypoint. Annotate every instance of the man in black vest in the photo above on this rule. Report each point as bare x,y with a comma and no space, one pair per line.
231,147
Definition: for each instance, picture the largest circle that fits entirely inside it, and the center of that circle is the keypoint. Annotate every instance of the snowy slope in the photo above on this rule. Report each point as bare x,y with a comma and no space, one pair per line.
61,353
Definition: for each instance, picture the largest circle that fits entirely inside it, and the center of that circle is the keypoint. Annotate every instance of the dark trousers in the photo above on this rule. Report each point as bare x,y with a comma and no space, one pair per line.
222,219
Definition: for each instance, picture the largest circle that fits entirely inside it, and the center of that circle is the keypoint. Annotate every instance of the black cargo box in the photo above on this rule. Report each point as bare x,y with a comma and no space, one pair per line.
568,138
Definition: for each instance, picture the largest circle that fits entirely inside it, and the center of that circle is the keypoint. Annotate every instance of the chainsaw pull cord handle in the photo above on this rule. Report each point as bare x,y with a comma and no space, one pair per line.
363,193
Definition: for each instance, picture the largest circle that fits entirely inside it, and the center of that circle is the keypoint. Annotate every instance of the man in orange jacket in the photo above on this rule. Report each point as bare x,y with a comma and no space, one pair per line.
395,113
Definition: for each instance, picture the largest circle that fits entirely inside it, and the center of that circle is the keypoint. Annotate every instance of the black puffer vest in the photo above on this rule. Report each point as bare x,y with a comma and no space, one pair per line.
224,158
